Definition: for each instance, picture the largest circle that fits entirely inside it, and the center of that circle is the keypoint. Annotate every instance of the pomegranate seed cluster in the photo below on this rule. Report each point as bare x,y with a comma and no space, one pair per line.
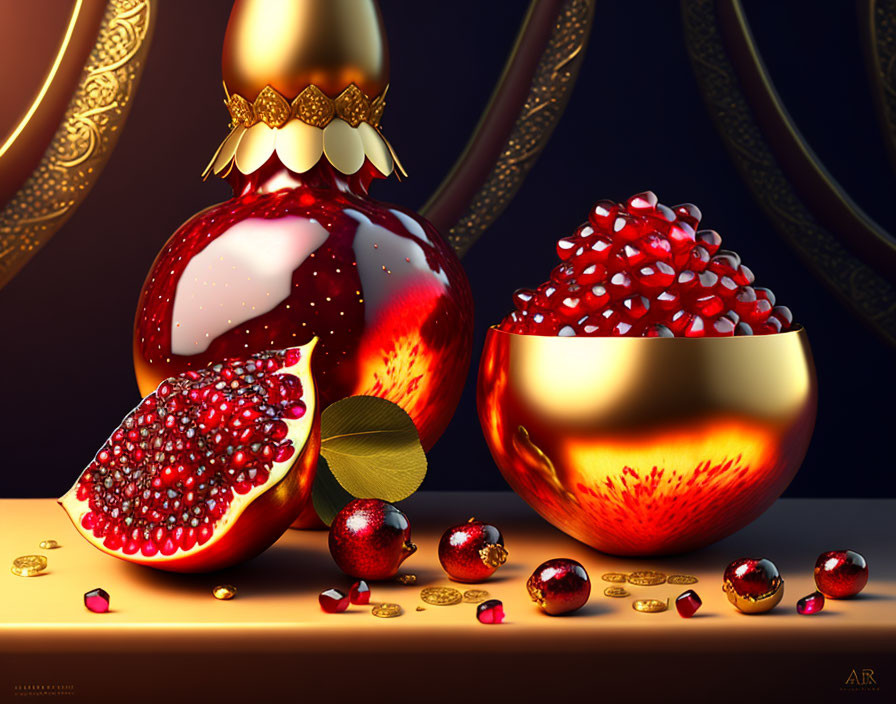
643,269
174,465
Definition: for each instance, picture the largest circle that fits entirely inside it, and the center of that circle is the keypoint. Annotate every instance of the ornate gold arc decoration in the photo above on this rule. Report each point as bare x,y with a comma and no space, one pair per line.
466,214
772,158
85,138
877,21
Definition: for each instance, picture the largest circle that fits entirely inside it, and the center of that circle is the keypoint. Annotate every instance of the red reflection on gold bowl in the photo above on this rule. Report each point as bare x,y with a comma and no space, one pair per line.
648,446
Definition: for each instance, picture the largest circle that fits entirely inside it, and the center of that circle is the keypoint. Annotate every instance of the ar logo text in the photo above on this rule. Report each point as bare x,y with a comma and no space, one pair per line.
861,678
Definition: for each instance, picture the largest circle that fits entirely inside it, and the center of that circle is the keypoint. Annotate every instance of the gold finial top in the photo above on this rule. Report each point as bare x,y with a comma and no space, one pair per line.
291,44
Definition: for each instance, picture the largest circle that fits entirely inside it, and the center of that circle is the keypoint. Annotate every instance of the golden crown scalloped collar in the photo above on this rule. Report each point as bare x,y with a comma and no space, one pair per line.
344,130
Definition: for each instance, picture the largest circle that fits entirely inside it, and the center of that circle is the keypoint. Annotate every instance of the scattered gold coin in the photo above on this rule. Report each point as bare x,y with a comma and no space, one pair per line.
224,592
681,579
475,596
441,596
421,608
406,579
49,545
386,610
614,577
616,592
646,578
650,606
28,565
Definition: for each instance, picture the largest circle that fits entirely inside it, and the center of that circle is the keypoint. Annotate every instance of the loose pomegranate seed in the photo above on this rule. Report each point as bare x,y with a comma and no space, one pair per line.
639,265
491,611
359,594
687,603
333,601
811,604
97,600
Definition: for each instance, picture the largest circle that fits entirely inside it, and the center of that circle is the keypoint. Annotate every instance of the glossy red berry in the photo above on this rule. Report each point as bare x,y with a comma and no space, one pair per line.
811,604
333,601
491,611
559,586
472,551
369,539
753,585
359,594
840,574
687,603
640,268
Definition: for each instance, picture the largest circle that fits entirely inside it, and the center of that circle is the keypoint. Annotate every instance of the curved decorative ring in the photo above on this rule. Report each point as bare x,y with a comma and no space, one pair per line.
85,138
517,122
786,178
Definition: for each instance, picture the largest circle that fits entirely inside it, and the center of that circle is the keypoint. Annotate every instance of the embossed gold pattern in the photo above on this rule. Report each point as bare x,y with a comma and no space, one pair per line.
312,105
85,138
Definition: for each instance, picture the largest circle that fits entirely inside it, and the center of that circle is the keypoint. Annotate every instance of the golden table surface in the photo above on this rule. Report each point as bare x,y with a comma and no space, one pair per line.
167,633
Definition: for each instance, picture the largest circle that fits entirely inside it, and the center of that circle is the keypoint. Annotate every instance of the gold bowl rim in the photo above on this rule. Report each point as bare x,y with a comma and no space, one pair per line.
796,330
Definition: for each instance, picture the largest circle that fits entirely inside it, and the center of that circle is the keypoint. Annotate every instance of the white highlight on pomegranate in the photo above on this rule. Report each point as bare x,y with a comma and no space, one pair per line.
244,273
382,249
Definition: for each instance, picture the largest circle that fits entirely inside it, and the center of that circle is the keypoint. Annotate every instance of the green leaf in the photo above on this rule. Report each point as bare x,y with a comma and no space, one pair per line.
372,448
327,494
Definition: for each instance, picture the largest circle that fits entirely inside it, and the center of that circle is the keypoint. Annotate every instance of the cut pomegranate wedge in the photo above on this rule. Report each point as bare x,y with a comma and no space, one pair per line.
209,470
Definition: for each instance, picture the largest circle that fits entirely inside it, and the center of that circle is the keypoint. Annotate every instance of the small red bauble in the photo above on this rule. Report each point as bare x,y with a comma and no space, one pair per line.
369,539
840,574
472,551
359,594
491,611
333,601
811,604
687,603
559,586
753,585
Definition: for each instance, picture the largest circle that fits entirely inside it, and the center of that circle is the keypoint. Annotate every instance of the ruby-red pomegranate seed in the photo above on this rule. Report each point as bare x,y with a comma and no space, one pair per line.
359,594
811,604
491,611
333,601
97,600
687,603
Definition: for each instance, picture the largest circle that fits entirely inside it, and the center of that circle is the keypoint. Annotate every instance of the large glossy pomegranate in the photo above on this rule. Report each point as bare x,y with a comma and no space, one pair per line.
294,256
209,469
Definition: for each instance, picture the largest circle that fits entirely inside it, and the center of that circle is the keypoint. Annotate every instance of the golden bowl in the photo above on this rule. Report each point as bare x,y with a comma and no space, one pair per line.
648,446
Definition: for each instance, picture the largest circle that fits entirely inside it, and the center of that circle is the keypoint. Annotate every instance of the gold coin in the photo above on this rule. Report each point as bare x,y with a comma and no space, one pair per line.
28,565
650,606
386,610
406,579
614,577
475,596
421,608
48,545
616,592
646,578
441,596
681,579
224,592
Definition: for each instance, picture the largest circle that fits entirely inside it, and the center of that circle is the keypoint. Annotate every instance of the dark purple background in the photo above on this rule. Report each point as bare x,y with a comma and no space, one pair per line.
634,122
